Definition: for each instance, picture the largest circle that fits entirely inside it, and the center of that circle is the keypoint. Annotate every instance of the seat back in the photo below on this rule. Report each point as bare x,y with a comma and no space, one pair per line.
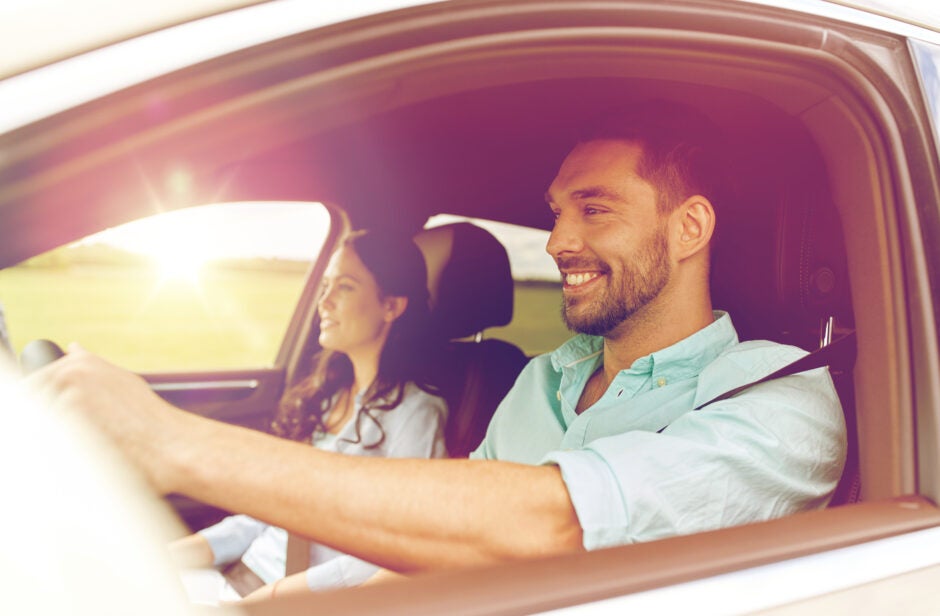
779,268
471,289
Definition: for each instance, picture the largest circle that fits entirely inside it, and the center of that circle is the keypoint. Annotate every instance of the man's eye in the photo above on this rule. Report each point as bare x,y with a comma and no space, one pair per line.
591,210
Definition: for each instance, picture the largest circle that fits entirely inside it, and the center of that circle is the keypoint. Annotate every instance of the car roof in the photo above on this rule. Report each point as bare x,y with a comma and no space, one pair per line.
923,13
53,70
39,32
81,56
36,33
396,70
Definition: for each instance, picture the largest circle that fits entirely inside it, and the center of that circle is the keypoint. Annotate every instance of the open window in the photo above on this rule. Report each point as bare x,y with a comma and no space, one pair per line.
206,288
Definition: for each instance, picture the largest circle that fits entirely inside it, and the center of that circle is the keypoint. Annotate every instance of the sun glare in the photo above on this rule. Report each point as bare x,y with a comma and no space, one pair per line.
179,266
182,245
178,252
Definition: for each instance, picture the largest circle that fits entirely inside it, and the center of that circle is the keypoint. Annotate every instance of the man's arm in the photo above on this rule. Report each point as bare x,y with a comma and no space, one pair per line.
406,515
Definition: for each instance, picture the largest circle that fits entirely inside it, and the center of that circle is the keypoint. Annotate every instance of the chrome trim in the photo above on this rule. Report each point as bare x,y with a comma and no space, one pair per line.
826,327
206,385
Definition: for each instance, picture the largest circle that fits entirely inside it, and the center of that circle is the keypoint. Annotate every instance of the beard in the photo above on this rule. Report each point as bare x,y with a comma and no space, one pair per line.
642,281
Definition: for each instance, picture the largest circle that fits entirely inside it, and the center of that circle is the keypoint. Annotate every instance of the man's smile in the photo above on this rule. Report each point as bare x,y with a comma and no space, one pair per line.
577,279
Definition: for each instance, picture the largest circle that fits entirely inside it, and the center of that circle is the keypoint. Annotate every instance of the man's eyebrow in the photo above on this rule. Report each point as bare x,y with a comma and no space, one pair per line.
591,192
596,192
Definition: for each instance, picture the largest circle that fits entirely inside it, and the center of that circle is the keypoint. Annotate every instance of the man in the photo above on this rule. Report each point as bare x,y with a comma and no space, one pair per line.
596,444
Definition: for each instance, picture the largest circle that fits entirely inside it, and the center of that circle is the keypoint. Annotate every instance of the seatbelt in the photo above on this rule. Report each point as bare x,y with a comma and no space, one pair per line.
839,353
298,554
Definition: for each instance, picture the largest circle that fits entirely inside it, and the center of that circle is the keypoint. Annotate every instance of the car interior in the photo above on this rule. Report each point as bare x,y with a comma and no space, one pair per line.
815,241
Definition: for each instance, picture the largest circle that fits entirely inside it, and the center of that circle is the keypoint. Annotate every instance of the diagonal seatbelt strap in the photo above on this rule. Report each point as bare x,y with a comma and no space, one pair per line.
837,354
298,554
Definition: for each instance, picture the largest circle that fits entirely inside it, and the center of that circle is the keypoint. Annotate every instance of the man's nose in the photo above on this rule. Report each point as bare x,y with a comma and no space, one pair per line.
564,238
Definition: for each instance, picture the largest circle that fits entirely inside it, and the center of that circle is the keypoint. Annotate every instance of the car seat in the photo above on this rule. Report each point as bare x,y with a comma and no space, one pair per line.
779,268
471,289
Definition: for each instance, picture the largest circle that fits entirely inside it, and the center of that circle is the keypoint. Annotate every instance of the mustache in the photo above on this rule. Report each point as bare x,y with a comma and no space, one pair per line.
581,263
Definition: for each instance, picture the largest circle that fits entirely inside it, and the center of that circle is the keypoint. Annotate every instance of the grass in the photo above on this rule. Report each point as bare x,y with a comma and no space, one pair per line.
234,317
536,326
231,319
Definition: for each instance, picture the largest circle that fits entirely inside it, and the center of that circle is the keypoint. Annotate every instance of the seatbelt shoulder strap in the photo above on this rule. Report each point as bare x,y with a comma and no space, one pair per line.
838,353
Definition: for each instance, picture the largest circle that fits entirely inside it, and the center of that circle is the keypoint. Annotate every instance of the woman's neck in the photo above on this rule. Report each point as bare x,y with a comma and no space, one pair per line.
365,369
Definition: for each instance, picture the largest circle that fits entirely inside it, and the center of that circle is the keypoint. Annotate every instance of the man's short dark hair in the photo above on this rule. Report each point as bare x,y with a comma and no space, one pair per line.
680,145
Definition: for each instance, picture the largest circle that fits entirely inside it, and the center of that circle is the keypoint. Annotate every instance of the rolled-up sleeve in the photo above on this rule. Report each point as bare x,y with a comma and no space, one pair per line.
771,451
595,493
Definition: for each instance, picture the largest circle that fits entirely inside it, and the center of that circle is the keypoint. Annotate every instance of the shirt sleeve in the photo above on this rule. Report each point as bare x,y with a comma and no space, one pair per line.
231,538
770,451
416,429
340,572
530,409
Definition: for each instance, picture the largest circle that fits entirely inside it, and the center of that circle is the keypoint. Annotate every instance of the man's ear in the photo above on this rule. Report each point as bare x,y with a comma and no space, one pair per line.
694,224
394,307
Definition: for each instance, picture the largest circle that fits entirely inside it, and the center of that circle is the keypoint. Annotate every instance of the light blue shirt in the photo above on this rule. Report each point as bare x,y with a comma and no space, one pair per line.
413,429
640,464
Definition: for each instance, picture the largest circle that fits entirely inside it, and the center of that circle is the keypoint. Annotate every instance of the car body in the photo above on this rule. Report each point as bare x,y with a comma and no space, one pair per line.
466,108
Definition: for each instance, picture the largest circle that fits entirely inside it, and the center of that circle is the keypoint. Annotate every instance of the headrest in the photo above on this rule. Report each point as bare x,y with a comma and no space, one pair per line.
780,268
469,279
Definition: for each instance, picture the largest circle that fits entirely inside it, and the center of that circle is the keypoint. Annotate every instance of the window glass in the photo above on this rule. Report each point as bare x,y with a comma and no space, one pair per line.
205,288
536,325
927,57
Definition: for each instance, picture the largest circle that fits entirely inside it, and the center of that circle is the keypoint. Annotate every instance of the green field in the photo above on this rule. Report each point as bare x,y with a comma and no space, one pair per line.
233,317
536,326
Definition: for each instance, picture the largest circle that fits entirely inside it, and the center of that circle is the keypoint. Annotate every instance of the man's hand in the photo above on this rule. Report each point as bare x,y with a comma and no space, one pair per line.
119,403
407,515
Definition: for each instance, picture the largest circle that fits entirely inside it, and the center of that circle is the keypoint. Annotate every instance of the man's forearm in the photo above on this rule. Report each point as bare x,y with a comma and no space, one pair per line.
403,514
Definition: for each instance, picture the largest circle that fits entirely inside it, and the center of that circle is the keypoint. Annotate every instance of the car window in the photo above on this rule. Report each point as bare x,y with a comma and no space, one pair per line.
536,325
205,288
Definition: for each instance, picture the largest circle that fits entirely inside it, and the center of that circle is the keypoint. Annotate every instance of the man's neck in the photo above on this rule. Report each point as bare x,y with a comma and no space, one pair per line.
646,332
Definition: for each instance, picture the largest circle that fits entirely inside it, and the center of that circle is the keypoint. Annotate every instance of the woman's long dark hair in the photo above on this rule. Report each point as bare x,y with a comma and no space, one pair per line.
399,271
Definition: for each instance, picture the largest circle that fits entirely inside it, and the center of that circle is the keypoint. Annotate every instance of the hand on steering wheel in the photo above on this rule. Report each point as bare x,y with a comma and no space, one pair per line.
38,353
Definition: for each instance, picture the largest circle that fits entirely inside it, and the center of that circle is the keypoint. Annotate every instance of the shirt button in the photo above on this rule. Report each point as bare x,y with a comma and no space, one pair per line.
661,381
558,395
619,393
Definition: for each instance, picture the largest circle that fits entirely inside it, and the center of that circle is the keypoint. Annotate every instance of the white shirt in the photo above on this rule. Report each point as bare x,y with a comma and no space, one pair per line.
413,429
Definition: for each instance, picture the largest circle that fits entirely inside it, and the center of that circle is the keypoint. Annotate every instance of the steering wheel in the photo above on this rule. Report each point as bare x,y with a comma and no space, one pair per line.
38,353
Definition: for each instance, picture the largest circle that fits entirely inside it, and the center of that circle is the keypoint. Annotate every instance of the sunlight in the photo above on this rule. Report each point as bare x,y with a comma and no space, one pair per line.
178,252
180,265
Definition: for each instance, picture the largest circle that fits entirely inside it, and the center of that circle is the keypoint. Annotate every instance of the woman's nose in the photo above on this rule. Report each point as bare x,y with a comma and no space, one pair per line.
326,299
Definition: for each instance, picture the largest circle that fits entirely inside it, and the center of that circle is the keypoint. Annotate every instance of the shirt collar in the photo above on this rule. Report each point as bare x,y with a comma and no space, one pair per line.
683,359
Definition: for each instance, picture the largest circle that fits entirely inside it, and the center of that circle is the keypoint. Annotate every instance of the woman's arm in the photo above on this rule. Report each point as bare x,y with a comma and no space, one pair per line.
191,552
415,428
291,585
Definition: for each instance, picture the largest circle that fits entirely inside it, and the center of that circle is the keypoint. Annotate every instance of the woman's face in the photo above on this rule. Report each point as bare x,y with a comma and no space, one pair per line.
353,315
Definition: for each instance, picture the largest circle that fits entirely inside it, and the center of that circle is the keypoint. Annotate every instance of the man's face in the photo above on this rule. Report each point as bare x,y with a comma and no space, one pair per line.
609,240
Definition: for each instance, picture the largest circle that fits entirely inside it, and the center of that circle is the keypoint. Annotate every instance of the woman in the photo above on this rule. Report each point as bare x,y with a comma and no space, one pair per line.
368,394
